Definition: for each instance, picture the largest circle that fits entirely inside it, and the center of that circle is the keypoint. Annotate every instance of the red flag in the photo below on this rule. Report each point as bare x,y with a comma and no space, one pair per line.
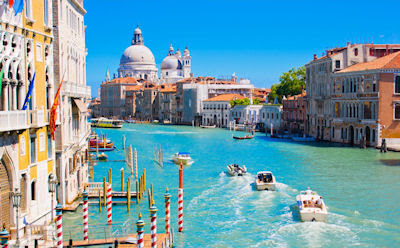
53,111
10,3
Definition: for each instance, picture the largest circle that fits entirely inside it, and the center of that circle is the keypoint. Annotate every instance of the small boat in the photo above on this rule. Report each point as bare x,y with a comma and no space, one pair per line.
204,126
182,157
243,137
236,170
130,121
101,149
311,206
303,139
265,180
106,123
102,156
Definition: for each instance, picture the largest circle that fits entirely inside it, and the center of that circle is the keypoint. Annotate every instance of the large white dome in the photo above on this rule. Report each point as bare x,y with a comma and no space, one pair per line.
137,54
171,62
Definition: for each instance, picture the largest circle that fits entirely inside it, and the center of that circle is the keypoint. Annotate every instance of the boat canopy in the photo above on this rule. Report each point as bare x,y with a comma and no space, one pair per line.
183,153
264,173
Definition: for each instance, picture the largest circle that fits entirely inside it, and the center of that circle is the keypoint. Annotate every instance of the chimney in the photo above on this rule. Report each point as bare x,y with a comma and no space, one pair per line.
348,43
315,57
387,49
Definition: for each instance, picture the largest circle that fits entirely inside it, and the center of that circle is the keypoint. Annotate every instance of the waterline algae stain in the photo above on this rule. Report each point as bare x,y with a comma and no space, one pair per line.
221,211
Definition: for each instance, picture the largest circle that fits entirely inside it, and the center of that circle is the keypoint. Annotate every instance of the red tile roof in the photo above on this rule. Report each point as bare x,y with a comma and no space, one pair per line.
123,80
224,98
391,61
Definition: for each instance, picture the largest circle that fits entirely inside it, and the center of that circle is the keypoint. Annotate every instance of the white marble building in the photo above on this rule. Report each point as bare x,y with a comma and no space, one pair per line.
174,67
70,62
137,60
271,115
216,110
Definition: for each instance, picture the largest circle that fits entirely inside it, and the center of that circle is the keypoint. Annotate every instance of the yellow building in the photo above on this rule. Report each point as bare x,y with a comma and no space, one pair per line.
26,149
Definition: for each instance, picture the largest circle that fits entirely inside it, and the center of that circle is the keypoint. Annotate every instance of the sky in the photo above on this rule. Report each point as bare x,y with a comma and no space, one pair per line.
255,39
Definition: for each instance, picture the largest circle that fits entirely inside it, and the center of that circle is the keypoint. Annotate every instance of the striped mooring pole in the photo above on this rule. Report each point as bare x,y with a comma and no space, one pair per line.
59,226
140,231
153,227
167,198
4,235
109,205
85,215
180,200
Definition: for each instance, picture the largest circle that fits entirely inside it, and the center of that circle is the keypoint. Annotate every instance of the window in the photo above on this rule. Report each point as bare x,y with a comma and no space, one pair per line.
46,12
33,190
28,9
49,146
33,149
355,51
39,52
337,64
371,52
367,110
397,85
397,111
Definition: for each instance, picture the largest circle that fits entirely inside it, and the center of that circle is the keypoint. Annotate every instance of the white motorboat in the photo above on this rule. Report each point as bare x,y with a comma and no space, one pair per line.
203,126
182,157
265,180
236,170
311,206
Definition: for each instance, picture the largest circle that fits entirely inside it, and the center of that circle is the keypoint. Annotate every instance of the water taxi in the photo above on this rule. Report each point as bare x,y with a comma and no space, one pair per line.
265,180
182,157
236,170
106,123
311,206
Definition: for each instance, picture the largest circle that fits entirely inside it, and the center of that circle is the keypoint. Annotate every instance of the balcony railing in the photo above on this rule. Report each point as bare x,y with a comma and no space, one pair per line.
36,118
13,120
76,90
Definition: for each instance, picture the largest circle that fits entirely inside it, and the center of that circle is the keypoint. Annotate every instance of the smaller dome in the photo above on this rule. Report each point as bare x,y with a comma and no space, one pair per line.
137,30
186,52
178,53
171,63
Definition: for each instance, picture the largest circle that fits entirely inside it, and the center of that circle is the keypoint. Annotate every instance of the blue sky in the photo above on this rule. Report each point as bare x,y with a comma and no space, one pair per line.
256,39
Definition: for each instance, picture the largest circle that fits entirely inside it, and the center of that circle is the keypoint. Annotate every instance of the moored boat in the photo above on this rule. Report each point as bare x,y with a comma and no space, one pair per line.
236,170
243,137
311,206
102,156
182,157
101,149
204,126
265,180
303,139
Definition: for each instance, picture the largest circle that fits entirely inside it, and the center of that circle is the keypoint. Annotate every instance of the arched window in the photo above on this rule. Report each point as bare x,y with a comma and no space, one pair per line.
355,51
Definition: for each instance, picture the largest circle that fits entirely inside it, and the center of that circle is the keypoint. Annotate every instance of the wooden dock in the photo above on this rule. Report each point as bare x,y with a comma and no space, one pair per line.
123,242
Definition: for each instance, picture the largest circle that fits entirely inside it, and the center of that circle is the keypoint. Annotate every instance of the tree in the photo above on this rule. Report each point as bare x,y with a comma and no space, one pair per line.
291,83
244,101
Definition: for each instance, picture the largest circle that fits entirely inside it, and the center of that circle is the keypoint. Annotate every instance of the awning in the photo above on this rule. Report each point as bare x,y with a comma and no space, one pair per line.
81,106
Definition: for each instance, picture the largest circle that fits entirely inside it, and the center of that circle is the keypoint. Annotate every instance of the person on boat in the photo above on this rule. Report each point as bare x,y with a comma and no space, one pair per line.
308,191
319,202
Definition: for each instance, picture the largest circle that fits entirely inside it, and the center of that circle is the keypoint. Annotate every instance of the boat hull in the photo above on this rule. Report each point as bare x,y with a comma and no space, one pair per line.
102,149
234,173
265,186
179,161
313,214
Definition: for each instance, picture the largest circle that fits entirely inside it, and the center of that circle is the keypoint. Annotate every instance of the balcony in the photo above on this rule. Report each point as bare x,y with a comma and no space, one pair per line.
13,120
76,90
36,118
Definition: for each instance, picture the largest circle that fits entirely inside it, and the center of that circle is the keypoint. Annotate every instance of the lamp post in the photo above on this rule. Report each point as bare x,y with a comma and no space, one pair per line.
16,200
52,188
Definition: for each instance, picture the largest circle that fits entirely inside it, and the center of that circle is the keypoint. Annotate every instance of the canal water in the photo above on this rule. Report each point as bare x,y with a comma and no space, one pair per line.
360,187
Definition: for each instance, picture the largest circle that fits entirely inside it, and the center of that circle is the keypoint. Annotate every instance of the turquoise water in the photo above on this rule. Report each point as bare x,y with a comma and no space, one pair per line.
362,193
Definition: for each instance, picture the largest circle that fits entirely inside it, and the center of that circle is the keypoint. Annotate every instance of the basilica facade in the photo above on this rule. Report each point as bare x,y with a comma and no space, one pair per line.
138,61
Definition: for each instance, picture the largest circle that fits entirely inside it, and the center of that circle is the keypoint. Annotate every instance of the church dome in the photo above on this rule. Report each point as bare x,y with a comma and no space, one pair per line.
138,54
171,63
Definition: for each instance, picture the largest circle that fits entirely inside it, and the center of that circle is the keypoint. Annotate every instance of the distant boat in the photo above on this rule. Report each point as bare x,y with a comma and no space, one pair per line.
243,137
102,149
203,126
130,121
106,123
182,157
303,139
236,170
102,156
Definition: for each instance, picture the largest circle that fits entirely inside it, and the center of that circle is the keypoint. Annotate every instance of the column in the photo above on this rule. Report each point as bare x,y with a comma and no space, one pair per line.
5,95
14,96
